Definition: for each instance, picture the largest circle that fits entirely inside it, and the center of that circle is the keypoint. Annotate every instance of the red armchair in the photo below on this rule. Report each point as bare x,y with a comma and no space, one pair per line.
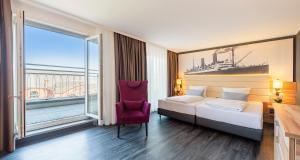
133,107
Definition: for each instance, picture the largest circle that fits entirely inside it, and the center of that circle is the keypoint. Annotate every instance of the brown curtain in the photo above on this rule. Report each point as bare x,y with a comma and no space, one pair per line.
6,87
172,72
297,69
130,59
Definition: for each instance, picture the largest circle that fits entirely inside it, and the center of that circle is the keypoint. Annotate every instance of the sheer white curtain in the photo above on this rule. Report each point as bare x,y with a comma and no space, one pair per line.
156,74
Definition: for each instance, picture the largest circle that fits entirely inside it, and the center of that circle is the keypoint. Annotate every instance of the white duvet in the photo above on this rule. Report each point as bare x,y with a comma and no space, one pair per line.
225,104
185,98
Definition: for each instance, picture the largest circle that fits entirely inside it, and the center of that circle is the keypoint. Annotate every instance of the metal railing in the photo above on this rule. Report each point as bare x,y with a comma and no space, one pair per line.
50,81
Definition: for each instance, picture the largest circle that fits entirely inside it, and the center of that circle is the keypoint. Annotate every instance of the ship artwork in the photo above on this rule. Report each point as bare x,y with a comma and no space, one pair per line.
229,65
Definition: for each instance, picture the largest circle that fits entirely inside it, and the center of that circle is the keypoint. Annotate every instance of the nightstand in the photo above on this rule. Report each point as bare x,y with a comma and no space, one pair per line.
268,112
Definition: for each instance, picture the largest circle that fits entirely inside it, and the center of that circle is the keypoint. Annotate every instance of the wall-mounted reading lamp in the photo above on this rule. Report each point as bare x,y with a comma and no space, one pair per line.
277,85
178,88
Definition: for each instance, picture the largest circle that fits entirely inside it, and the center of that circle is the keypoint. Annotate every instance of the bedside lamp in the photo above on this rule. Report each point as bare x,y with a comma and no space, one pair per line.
178,88
179,81
277,85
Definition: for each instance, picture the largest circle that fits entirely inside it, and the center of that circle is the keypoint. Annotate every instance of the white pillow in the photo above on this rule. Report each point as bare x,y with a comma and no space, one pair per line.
237,90
199,88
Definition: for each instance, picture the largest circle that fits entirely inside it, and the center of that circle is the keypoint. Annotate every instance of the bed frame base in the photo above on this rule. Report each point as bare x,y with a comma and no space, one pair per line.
180,116
254,134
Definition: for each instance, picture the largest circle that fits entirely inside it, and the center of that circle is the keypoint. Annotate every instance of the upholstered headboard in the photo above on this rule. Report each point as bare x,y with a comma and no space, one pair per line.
261,85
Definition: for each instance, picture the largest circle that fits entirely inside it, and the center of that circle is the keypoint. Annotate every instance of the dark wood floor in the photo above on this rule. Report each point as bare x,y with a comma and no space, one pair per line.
168,139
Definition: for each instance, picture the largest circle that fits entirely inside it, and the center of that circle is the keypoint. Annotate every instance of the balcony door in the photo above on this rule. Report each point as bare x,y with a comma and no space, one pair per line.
57,77
54,78
93,77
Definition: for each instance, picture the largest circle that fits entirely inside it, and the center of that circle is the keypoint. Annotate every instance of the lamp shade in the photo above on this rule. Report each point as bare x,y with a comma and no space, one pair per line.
178,81
277,84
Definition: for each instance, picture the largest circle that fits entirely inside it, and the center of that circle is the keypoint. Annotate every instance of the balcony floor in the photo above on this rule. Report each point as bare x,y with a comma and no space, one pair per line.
53,113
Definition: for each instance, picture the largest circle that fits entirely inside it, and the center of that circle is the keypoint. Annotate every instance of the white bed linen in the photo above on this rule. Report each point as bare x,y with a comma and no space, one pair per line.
186,108
251,117
227,104
185,98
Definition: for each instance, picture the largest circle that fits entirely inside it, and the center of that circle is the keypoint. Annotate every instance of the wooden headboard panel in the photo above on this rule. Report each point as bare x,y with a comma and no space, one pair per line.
261,86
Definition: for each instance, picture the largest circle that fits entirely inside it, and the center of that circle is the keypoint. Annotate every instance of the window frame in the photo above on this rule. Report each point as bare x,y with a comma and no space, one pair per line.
48,124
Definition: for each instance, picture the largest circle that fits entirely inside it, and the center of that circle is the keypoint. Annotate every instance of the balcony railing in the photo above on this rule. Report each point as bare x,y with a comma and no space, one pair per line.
50,81
55,92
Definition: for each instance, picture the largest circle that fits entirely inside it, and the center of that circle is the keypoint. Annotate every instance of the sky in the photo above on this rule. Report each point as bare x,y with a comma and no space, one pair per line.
51,48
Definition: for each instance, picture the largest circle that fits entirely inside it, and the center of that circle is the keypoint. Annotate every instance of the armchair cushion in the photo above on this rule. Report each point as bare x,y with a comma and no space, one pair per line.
133,117
133,105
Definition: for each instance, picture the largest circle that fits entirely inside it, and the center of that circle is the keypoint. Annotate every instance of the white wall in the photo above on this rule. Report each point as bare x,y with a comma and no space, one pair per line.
54,18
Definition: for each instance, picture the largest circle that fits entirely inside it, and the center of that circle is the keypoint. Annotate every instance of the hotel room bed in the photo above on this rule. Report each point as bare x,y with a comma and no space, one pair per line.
183,107
181,111
248,123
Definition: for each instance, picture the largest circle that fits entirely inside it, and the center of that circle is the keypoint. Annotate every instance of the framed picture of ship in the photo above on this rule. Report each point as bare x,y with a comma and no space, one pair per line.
258,58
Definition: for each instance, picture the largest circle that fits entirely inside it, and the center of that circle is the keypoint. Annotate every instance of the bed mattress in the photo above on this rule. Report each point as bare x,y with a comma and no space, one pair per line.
250,117
185,108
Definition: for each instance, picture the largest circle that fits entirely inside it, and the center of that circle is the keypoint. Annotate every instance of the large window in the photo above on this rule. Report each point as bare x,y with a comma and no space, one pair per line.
54,75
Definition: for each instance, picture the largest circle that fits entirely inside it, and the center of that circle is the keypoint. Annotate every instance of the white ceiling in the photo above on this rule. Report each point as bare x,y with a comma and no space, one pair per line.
182,25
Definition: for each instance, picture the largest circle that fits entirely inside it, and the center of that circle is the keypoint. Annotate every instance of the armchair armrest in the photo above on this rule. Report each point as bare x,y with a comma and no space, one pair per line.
119,111
146,109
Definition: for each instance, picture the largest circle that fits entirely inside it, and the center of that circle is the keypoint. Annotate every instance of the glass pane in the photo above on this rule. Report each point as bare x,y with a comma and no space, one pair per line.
93,76
54,76
15,74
